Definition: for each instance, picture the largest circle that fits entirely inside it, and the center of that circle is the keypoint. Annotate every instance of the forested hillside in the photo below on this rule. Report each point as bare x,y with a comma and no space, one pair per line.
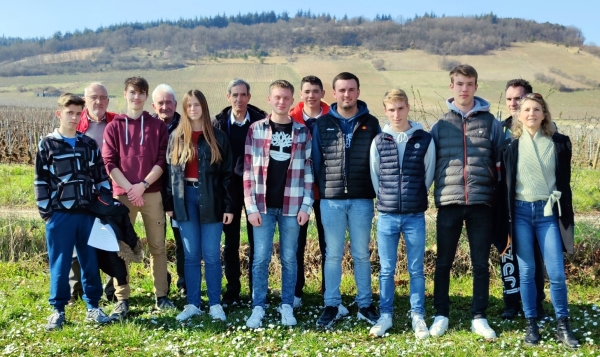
172,44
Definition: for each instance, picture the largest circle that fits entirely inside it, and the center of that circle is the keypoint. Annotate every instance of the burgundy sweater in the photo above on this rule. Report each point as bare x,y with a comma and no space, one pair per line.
135,146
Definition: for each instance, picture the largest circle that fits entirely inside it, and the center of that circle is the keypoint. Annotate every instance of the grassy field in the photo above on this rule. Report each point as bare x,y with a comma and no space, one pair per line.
24,290
24,282
405,69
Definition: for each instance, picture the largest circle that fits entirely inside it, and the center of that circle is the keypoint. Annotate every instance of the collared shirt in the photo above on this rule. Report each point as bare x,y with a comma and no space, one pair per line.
306,116
299,182
233,121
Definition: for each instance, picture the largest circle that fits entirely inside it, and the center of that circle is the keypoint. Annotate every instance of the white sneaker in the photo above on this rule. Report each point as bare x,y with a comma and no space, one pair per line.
255,320
439,326
419,326
297,302
383,324
481,327
188,311
217,313
287,315
342,311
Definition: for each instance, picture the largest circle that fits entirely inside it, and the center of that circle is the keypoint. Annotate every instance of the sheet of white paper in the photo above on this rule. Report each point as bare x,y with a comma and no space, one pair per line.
103,237
174,223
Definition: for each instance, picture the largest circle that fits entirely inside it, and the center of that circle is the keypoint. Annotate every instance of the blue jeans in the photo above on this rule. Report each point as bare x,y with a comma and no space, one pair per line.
263,250
200,241
65,231
357,216
530,224
389,227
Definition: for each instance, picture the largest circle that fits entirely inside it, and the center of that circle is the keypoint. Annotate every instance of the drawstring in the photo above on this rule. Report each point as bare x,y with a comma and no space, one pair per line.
142,135
127,131
554,198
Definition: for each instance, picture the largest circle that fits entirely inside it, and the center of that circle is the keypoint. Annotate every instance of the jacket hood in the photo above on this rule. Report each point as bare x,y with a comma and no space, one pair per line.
297,112
362,110
57,136
403,136
481,105
124,117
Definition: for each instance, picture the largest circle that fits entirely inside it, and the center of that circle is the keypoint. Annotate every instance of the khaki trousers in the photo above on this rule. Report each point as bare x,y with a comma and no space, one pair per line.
153,216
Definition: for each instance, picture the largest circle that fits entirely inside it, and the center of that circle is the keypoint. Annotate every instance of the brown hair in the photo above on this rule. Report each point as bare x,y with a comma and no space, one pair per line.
395,95
138,83
547,127
68,99
346,76
281,83
183,147
465,70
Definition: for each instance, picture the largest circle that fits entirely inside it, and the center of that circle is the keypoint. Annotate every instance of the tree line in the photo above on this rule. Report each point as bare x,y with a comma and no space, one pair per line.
263,33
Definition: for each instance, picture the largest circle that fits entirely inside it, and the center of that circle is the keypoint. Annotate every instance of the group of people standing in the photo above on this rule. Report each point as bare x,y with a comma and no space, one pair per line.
507,182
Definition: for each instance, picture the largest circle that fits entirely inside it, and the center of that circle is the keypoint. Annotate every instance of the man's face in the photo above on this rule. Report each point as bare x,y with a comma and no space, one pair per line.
96,101
513,95
164,105
346,93
464,89
311,95
397,114
135,98
69,117
280,100
239,98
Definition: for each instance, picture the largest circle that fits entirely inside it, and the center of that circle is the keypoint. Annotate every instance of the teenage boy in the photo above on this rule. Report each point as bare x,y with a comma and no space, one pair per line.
94,119
68,168
467,140
278,184
134,151
509,270
235,120
402,169
164,104
341,145
307,112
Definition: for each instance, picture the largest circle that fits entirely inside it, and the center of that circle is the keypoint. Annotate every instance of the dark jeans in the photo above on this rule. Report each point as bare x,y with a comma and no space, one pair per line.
509,270
179,256
478,221
75,282
301,280
231,250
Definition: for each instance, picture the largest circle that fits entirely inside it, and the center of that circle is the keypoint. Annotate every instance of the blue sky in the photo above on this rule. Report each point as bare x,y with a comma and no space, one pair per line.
37,18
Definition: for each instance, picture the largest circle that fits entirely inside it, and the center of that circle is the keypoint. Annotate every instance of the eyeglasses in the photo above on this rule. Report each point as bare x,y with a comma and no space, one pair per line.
93,98
532,96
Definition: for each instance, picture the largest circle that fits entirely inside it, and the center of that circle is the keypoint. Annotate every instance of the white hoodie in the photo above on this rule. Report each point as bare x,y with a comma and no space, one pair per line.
401,140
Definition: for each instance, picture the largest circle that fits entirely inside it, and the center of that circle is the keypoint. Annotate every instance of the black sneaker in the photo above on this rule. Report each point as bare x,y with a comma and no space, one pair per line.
163,303
368,314
120,311
510,312
229,299
328,317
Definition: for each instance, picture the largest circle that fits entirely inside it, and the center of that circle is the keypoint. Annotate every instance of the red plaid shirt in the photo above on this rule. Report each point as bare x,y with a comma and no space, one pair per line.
299,176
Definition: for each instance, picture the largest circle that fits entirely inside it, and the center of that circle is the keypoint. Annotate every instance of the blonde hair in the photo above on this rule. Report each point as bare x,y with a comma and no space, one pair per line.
395,95
547,127
183,147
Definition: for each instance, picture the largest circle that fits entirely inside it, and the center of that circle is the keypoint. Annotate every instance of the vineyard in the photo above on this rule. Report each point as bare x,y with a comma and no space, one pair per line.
20,131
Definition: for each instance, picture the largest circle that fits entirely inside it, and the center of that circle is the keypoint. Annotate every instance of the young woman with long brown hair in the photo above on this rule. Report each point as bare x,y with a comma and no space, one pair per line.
200,165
